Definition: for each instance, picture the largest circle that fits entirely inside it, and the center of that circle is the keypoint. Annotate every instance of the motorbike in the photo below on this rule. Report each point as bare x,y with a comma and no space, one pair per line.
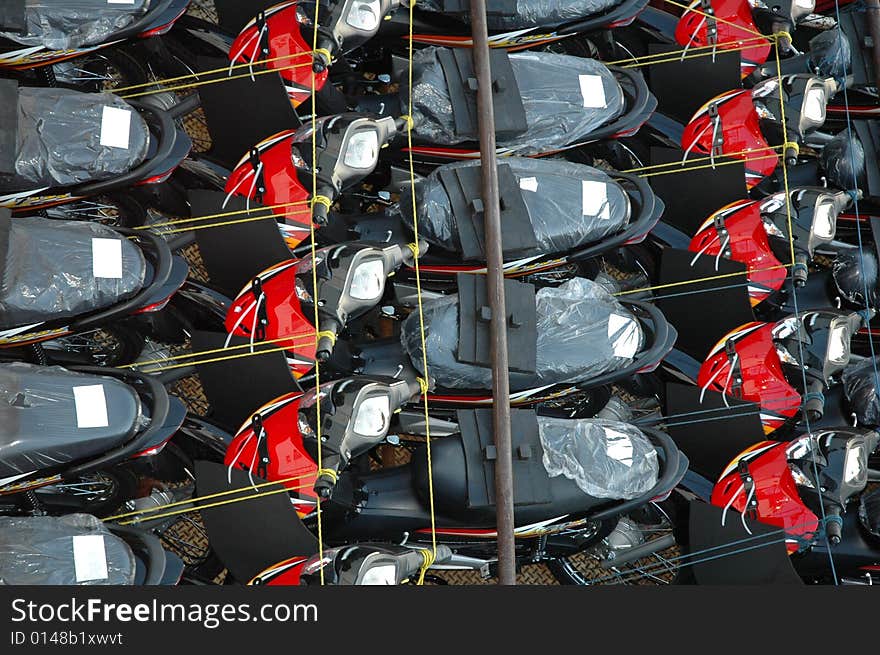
356,416
78,41
60,146
36,550
73,438
81,292
810,497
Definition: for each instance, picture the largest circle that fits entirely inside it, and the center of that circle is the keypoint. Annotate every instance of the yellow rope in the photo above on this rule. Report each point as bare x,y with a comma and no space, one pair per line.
174,358
428,557
181,221
675,57
702,279
196,75
696,160
215,359
412,176
250,219
315,295
330,473
787,144
710,48
150,510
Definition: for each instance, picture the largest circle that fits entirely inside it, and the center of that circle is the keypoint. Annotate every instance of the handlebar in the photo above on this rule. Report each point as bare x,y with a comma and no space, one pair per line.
326,339
320,210
327,476
799,271
412,562
833,524
814,401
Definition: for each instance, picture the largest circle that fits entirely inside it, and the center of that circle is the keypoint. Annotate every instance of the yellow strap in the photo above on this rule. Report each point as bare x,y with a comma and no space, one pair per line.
330,473
408,119
322,200
782,34
414,249
423,385
428,557
794,146
325,53
327,334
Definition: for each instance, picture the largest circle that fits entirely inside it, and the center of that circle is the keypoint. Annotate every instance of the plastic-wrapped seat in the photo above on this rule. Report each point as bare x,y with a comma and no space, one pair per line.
50,416
522,14
63,24
564,99
568,205
52,270
582,332
575,465
76,549
66,137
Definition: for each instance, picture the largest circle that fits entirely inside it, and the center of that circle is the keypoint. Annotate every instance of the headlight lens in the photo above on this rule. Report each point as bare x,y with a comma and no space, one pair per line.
368,280
854,465
364,16
362,150
383,574
824,220
838,343
814,106
373,415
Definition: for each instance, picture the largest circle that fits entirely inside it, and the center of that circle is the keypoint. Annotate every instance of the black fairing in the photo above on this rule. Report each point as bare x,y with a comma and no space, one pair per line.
856,549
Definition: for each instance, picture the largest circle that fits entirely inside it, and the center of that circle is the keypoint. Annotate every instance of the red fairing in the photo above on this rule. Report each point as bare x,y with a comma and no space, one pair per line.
760,369
742,134
779,502
284,573
288,457
283,312
289,52
747,244
284,193
736,29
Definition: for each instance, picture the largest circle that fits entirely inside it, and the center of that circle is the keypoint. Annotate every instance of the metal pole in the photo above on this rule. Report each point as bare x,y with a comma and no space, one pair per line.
495,284
872,16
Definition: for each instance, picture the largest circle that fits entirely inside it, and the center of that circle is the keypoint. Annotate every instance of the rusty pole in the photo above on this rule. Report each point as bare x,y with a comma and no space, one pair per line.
872,17
495,284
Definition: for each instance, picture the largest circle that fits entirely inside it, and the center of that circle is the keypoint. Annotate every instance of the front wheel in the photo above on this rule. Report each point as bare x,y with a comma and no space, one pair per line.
99,493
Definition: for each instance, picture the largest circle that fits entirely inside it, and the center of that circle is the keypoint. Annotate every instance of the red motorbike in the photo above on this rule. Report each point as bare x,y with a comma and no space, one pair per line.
807,489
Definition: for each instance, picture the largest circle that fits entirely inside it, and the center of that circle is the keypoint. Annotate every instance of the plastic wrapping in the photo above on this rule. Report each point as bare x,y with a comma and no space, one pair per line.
843,160
532,13
606,459
569,205
53,269
60,136
50,416
565,99
831,55
63,24
582,332
861,386
76,549
854,273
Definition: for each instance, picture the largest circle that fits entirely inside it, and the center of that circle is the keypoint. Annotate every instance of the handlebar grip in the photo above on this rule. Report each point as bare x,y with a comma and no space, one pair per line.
800,271
833,525
791,156
326,341
444,554
320,213
814,401
324,485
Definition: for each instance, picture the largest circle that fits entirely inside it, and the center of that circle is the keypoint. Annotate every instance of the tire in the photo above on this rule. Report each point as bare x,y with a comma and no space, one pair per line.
121,486
113,209
114,345
103,70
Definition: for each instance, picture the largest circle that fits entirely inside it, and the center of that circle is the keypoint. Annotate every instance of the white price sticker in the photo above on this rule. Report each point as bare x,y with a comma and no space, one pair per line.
107,258
89,557
115,127
91,406
619,446
595,199
528,183
624,334
120,2
593,91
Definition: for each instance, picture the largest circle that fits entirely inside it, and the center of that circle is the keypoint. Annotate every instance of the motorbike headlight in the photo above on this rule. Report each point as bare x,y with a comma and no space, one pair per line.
364,16
380,574
368,280
373,416
855,464
838,343
813,110
824,219
362,150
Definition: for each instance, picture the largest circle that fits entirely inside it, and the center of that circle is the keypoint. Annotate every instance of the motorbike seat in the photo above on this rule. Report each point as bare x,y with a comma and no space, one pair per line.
564,99
522,14
456,466
582,332
50,416
64,24
66,137
48,550
566,205
51,270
